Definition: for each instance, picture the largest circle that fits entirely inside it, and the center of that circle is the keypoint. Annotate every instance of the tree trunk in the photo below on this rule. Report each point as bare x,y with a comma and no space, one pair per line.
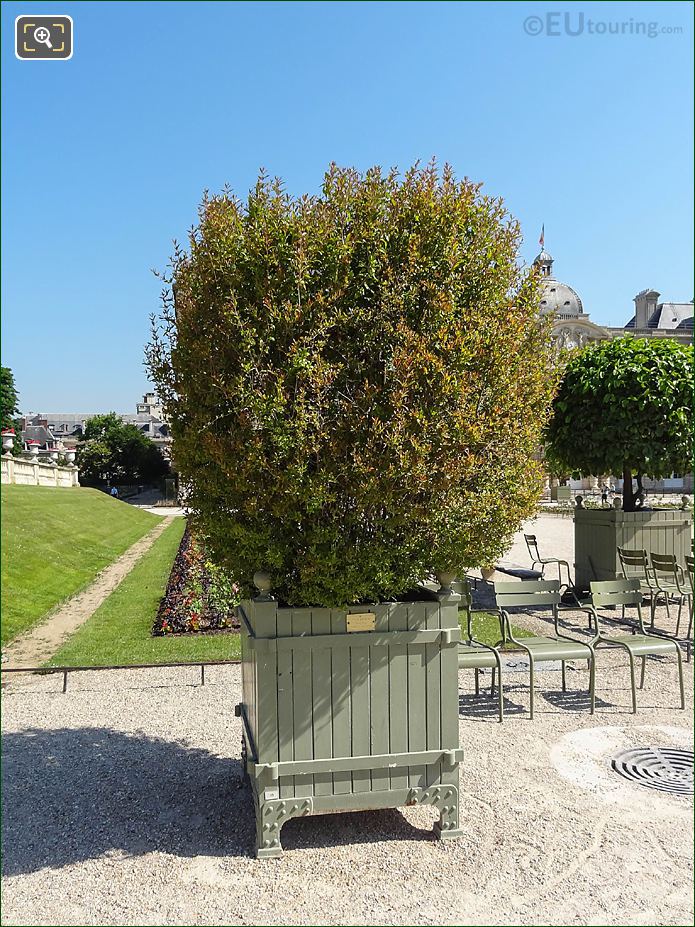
628,495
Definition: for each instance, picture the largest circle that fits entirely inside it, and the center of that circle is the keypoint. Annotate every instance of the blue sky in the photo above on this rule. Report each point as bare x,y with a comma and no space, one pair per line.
105,156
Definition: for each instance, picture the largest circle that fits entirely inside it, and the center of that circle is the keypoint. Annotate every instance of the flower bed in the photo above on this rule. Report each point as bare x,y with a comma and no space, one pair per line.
199,596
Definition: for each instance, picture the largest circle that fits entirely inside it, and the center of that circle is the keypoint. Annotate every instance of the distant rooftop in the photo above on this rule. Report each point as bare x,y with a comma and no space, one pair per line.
668,316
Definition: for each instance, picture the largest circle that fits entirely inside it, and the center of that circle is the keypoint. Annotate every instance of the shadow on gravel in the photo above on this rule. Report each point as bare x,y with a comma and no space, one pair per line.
72,795
486,707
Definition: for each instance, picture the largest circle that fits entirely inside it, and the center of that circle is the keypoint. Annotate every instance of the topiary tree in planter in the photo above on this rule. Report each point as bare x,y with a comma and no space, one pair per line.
356,384
624,407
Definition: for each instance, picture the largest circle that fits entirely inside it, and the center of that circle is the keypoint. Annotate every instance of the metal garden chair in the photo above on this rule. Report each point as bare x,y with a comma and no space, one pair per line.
475,655
671,584
690,573
635,565
543,562
542,594
626,592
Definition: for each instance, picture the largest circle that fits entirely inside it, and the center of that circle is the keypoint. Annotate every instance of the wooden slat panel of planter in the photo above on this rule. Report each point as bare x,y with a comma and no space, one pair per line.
321,686
417,692
339,706
449,669
302,701
360,712
379,714
285,697
398,692
433,696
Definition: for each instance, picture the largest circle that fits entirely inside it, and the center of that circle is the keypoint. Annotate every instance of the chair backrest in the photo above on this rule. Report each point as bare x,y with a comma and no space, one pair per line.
529,593
690,570
532,546
634,563
615,592
666,566
463,588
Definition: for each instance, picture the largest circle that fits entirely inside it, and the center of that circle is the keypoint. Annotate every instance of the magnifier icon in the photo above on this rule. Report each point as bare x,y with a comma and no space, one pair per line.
43,36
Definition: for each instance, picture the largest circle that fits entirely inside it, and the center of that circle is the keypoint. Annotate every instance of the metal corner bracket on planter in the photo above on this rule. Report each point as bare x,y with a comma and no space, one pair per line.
350,709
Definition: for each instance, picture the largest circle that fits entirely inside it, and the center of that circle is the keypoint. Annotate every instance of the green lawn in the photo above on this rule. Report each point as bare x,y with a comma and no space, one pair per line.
54,542
119,631
486,628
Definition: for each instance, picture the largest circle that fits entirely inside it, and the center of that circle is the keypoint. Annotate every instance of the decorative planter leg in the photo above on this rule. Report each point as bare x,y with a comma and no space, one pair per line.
445,798
269,820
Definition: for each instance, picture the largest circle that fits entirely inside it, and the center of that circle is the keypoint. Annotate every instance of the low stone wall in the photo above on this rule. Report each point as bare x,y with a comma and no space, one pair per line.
25,472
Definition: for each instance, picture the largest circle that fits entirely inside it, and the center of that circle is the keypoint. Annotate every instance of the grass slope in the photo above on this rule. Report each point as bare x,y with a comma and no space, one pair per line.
119,631
54,542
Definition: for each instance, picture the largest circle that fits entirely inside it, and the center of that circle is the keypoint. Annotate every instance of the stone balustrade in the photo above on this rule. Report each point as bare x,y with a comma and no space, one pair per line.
24,472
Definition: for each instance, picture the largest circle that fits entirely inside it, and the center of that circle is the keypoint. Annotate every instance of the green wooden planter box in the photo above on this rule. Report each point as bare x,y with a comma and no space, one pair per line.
346,713
561,493
598,533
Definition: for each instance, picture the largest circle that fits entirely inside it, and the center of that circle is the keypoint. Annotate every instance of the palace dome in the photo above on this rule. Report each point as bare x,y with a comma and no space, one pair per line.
557,297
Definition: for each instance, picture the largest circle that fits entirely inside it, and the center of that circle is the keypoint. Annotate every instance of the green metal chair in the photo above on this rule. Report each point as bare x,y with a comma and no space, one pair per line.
626,592
543,562
690,573
671,584
635,565
475,655
537,595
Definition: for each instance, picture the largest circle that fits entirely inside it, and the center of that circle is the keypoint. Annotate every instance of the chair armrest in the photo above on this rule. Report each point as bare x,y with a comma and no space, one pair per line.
575,640
491,647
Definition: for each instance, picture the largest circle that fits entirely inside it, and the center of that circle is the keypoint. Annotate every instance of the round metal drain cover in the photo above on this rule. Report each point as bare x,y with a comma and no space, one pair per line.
668,769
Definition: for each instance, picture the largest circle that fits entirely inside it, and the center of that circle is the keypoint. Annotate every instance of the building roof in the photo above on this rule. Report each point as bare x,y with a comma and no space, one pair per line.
38,433
543,257
669,316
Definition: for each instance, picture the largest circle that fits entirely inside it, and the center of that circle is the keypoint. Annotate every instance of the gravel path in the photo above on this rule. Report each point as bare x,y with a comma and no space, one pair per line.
39,644
124,805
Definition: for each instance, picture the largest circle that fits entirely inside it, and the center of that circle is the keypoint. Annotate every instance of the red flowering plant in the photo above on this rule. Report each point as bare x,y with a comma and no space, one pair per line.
199,596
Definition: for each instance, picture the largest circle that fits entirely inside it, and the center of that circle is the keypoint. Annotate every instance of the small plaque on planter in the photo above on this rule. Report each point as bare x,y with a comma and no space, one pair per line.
362,621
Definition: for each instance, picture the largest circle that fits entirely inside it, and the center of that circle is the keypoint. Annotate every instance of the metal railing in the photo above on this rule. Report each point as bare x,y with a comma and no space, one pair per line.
51,670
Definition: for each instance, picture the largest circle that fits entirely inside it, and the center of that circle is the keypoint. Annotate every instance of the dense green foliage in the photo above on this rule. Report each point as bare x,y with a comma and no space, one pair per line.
118,452
9,407
8,398
356,382
54,542
624,407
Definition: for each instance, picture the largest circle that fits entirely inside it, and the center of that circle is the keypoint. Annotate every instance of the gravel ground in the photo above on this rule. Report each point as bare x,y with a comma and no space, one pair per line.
124,805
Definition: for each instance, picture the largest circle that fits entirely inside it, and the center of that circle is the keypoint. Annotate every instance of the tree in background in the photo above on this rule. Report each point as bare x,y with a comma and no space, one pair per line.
624,407
9,405
9,398
356,382
113,451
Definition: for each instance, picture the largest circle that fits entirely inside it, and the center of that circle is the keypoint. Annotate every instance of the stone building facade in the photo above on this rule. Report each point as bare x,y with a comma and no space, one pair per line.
573,328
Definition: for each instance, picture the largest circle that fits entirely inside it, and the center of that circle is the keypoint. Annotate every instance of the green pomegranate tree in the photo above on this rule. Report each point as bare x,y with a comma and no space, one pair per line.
356,382
625,407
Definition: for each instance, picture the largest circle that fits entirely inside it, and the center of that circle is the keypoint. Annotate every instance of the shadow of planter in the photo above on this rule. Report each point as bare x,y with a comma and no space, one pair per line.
350,709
